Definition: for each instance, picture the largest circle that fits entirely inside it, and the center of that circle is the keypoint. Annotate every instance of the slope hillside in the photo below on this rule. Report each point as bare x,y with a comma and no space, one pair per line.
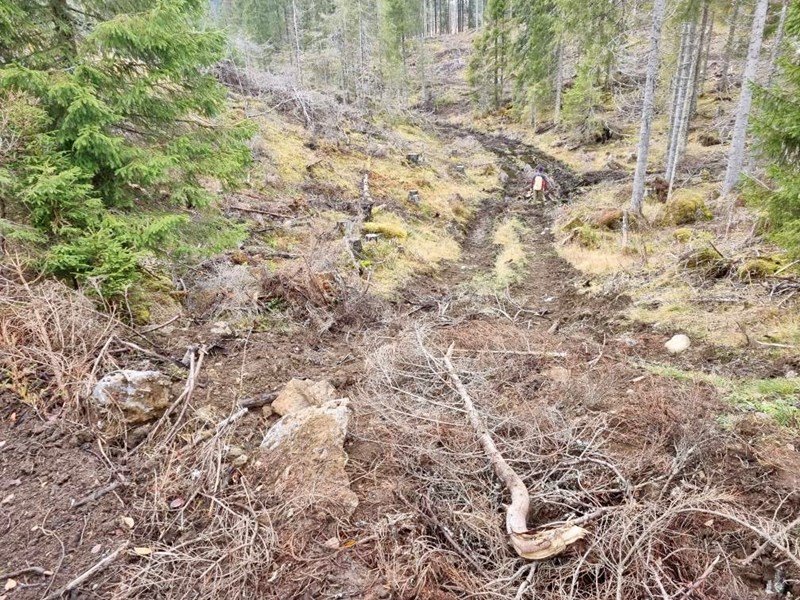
306,415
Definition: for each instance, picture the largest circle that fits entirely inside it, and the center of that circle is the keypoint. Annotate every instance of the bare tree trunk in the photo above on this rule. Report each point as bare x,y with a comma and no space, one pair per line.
736,156
707,51
559,82
776,49
679,96
648,106
683,124
698,68
729,46
296,32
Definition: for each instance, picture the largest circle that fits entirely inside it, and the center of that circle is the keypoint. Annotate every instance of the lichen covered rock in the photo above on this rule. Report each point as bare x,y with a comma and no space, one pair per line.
140,396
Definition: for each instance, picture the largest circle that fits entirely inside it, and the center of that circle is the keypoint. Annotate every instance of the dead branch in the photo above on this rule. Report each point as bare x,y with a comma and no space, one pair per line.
532,546
25,571
258,211
97,494
759,532
96,568
760,550
699,581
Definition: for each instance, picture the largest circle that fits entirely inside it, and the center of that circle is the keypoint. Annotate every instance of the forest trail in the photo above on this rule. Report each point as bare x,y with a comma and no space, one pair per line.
545,286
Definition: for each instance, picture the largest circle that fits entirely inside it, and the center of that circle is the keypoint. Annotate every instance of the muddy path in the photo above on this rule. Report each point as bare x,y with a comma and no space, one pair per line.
549,287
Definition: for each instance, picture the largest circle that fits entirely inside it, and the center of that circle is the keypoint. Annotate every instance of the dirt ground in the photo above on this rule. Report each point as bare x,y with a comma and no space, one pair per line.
416,534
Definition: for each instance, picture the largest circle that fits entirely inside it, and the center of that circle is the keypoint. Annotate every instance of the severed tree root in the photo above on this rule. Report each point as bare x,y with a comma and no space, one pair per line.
528,544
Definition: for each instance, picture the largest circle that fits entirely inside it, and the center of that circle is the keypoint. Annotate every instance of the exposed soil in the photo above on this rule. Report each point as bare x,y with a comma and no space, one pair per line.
45,466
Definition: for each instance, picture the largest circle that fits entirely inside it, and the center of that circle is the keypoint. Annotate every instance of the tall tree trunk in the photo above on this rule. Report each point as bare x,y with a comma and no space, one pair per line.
776,49
729,46
296,35
736,156
648,105
685,115
559,82
681,84
707,51
698,68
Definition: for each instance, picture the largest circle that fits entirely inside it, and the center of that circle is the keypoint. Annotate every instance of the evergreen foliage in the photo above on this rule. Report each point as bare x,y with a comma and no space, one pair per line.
777,129
490,58
117,123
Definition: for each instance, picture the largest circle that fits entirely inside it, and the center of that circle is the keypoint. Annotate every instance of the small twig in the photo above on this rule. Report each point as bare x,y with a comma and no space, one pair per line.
96,568
760,550
524,353
157,327
526,584
554,327
260,212
770,345
145,351
785,267
97,494
25,571
700,579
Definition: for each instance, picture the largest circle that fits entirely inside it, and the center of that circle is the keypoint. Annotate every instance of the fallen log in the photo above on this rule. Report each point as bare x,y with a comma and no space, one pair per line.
528,544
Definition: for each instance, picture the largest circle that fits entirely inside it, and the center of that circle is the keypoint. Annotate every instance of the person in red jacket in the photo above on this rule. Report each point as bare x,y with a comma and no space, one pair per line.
540,184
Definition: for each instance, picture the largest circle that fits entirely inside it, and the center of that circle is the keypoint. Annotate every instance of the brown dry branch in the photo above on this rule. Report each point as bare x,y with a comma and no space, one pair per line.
89,573
529,545
647,506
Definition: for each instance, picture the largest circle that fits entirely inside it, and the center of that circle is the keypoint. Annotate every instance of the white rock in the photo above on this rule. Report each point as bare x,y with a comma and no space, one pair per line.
302,393
223,329
141,395
679,343
303,455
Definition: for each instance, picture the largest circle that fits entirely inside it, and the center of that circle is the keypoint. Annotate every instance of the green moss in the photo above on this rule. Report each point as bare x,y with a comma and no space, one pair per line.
683,235
574,223
757,268
686,210
390,230
708,261
152,299
587,237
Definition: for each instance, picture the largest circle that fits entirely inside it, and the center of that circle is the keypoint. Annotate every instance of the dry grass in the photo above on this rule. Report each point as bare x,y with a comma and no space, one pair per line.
511,259
662,528
52,341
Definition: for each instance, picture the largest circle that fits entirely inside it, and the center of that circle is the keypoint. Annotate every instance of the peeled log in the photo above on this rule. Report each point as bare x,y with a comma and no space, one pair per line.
529,545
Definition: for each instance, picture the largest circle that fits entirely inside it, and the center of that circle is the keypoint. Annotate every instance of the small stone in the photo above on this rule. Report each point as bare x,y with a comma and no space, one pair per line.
223,329
679,343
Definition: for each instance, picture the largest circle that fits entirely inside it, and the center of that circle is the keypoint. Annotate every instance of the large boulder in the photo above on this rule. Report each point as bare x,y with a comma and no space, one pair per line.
141,396
302,393
303,459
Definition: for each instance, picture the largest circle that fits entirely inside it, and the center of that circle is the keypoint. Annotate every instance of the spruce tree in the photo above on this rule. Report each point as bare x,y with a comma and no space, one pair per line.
123,121
489,61
777,128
